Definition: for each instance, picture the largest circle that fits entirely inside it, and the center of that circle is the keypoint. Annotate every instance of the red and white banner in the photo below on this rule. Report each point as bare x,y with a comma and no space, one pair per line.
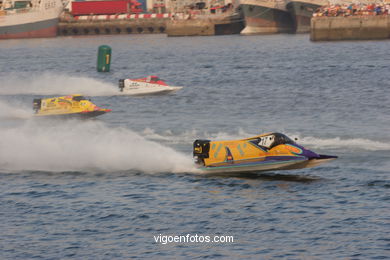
122,16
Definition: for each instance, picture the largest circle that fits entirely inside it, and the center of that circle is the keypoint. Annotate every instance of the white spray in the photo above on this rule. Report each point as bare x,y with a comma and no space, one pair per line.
87,146
55,84
14,110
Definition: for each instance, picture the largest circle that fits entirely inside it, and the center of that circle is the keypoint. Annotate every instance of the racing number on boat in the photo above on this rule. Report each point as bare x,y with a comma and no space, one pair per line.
266,141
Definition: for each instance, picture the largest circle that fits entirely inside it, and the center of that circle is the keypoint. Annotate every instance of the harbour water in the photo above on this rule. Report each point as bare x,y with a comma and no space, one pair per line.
105,188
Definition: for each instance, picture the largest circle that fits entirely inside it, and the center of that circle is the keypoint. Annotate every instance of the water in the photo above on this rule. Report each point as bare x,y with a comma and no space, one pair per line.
104,188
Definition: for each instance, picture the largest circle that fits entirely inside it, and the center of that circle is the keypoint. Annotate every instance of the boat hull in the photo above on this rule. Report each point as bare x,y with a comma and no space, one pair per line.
146,91
81,115
36,21
259,166
268,165
310,163
301,13
265,20
41,29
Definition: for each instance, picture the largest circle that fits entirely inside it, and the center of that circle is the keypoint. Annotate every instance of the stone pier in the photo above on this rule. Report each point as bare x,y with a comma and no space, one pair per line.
71,26
350,28
148,23
203,27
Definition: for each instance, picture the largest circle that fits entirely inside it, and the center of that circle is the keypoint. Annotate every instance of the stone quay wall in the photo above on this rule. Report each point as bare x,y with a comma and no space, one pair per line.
350,28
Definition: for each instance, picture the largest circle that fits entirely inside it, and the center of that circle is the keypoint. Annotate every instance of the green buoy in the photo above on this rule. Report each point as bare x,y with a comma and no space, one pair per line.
104,58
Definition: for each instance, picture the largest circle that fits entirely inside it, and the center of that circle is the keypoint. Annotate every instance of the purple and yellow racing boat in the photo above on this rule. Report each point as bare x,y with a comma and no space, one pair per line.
267,152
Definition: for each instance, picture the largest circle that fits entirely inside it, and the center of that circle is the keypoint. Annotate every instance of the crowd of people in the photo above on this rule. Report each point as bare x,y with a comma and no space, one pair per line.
353,10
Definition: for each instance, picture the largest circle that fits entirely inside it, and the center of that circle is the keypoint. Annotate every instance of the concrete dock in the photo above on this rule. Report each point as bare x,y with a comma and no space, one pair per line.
350,28
105,24
203,27
146,24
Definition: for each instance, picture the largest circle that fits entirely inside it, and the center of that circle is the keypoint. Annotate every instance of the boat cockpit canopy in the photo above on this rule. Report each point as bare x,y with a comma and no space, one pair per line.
79,98
152,79
274,139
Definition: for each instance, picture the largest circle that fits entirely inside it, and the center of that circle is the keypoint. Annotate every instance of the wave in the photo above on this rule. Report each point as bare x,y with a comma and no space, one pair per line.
190,135
55,84
309,141
86,146
92,146
338,142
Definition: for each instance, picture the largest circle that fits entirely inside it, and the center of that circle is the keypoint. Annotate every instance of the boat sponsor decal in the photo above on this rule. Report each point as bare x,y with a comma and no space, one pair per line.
198,149
293,149
64,102
240,150
217,151
229,156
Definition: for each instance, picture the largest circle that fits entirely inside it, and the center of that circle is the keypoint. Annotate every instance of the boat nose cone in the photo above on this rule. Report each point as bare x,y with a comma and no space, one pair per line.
309,154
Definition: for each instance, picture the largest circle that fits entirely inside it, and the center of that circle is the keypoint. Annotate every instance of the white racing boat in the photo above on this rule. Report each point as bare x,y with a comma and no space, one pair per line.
151,85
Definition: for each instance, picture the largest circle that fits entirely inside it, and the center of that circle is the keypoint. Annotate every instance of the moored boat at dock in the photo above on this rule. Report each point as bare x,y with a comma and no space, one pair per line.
29,19
302,11
266,17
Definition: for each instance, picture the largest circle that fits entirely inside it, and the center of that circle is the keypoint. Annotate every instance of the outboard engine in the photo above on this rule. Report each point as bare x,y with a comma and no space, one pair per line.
121,85
201,151
37,104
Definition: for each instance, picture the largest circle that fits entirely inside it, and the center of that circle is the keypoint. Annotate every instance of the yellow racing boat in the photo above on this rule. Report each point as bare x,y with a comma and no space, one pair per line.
67,106
267,152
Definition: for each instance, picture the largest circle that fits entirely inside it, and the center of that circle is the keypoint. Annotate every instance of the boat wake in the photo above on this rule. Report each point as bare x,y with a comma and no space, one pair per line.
350,143
48,84
86,147
337,143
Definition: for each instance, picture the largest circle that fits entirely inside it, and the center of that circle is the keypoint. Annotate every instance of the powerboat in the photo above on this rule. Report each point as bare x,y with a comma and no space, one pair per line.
266,152
151,85
67,106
